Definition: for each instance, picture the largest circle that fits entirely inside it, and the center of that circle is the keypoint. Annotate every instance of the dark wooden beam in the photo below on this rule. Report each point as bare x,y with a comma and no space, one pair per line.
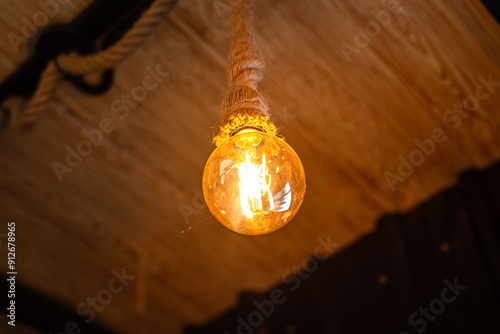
44,313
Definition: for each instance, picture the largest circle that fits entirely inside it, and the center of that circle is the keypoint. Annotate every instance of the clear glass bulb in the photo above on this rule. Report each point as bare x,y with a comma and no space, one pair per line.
254,183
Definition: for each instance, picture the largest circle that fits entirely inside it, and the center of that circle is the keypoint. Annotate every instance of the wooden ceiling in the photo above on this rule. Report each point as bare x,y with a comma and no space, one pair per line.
135,202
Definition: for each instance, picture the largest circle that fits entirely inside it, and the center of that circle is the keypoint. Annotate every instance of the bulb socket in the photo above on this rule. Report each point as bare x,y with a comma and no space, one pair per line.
246,128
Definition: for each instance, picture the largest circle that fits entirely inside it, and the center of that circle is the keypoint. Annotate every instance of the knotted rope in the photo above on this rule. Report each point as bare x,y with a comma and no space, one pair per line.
243,105
24,114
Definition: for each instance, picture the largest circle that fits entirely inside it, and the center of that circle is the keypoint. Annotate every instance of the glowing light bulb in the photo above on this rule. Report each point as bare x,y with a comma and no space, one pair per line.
254,183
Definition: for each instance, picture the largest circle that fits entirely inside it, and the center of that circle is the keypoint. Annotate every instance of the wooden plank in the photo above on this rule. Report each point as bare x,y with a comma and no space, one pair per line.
348,122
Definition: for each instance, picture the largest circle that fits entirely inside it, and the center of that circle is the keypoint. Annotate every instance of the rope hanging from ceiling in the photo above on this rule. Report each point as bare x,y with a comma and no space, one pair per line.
243,105
24,113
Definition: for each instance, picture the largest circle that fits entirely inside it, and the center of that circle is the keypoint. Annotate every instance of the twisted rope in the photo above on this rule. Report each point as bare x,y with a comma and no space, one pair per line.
76,64
24,114
243,105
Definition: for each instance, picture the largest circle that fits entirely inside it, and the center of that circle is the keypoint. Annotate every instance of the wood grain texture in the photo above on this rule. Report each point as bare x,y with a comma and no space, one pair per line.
348,121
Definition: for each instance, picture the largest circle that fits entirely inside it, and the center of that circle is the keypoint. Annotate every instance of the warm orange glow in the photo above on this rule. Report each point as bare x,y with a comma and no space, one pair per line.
254,183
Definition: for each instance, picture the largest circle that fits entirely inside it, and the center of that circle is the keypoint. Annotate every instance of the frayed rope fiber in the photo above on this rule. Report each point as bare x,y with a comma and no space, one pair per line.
243,105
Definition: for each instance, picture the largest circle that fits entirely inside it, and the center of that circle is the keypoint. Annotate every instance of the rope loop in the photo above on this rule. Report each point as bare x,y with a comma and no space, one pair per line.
76,64
25,113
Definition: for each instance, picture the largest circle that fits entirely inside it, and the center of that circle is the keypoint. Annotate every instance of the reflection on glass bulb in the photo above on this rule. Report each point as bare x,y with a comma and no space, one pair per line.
254,183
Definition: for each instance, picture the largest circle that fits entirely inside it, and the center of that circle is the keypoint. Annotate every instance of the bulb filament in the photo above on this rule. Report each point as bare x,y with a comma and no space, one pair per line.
255,184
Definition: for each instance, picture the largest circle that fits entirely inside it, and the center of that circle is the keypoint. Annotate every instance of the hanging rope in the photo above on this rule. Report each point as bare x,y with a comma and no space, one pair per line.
24,114
244,105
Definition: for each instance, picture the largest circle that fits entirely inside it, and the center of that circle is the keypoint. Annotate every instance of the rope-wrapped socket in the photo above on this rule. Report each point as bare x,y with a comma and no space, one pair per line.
243,106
